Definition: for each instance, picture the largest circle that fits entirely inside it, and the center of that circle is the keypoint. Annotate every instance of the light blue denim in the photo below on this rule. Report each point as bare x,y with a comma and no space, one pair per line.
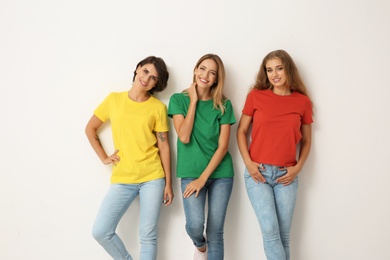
115,204
218,193
274,205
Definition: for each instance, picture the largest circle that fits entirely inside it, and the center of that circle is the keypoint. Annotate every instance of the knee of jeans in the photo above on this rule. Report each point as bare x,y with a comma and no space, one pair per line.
148,234
285,236
149,240
152,240
270,232
214,236
100,234
195,228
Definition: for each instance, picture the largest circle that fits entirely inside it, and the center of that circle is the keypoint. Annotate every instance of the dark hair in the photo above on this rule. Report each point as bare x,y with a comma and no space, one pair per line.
294,81
162,71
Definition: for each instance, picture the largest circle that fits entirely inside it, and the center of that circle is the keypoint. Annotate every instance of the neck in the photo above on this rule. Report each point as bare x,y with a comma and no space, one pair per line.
281,91
138,96
203,94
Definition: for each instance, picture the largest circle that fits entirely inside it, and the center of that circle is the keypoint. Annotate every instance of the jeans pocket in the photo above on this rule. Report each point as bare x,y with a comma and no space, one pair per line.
261,166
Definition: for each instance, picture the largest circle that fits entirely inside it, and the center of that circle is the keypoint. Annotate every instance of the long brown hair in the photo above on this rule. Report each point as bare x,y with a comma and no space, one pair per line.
293,80
216,90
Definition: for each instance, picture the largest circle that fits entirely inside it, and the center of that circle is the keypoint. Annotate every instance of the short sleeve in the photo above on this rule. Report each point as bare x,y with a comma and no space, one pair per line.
162,121
103,110
175,106
228,116
249,108
307,117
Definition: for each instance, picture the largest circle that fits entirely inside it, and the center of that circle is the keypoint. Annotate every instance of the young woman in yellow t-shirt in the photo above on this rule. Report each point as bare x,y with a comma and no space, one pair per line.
141,161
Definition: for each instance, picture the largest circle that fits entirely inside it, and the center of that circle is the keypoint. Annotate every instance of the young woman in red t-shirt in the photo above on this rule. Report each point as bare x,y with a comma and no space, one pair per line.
280,112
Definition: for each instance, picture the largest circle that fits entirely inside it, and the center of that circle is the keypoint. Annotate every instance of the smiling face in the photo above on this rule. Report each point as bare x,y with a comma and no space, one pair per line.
146,77
276,73
205,74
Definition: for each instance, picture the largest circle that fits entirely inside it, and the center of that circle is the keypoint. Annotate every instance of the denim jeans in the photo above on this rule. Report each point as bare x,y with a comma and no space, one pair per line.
274,205
115,204
218,193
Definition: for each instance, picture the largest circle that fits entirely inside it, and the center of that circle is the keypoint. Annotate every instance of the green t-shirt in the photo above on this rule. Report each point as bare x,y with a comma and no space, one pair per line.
193,158
134,126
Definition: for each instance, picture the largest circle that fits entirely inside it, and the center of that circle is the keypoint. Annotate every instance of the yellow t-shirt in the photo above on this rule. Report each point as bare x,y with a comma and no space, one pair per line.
134,126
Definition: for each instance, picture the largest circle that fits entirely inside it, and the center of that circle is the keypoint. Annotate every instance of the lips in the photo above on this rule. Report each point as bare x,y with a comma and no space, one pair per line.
203,80
143,83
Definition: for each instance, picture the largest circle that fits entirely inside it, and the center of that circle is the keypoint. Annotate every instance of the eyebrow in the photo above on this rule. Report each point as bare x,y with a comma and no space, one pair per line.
149,72
202,66
281,65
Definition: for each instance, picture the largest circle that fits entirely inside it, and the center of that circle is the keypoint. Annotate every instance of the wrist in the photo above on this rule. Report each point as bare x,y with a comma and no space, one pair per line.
247,161
298,167
202,178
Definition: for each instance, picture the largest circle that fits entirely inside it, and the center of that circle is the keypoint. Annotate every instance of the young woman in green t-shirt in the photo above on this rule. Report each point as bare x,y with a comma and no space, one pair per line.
202,117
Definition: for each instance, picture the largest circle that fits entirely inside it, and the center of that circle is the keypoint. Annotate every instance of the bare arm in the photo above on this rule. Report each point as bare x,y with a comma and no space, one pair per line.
304,151
91,131
223,143
242,141
184,125
165,156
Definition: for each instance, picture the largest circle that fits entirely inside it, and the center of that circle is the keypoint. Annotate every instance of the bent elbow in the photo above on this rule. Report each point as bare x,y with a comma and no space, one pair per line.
87,130
184,139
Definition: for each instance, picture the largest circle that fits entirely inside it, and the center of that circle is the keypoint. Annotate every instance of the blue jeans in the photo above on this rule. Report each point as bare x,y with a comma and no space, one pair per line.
274,205
218,191
115,204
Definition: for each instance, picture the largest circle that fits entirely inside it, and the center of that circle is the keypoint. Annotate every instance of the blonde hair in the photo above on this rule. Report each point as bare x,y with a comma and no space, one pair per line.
216,90
293,79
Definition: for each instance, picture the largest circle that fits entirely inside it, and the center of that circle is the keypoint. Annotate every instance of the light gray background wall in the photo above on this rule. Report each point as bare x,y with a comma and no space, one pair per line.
59,59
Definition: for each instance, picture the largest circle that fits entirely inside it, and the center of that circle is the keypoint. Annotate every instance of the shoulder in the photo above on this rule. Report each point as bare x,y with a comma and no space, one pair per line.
302,100
179,98
117,95
259,92
182,95
256,94
113,97
156,102
302,97
226,102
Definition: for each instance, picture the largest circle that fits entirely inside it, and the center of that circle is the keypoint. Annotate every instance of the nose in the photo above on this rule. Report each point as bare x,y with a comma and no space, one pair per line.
147,78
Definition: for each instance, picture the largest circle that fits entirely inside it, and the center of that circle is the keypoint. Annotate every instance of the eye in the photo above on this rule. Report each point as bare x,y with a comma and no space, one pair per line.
146,71
280,69
269,70
154,78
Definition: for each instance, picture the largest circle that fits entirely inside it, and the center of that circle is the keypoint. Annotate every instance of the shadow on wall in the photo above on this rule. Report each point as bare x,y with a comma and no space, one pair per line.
299,227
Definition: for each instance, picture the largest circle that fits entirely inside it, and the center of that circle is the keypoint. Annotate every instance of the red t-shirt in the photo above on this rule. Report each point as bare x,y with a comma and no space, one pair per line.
276,125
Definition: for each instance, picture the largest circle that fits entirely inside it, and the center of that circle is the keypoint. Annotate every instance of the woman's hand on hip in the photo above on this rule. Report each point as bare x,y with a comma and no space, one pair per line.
112,159
253,169
290,175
